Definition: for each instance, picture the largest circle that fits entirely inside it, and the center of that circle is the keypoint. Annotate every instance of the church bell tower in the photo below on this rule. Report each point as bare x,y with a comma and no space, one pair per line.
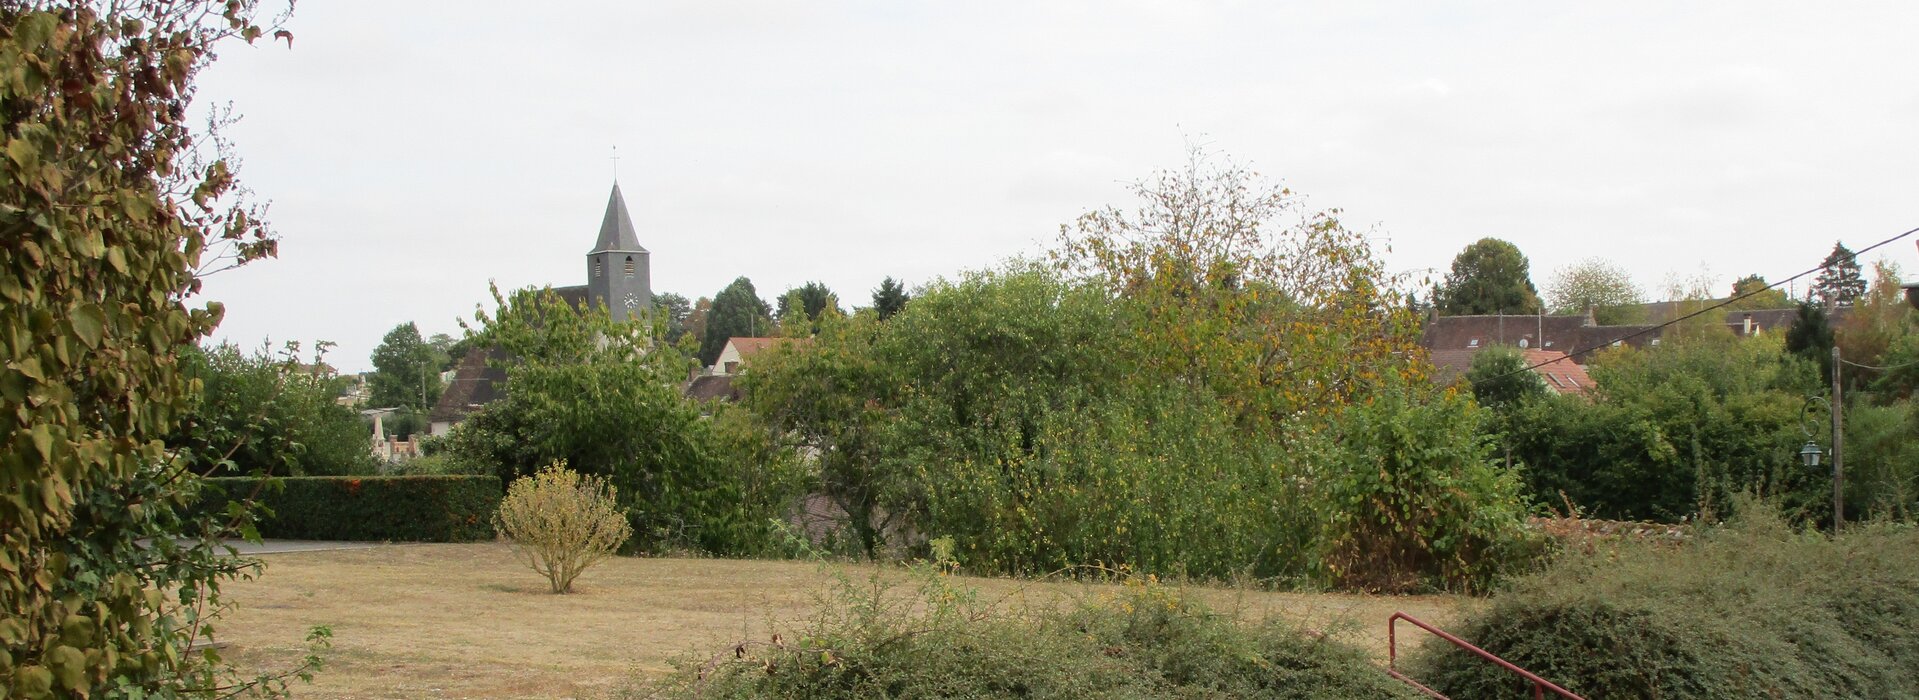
618,273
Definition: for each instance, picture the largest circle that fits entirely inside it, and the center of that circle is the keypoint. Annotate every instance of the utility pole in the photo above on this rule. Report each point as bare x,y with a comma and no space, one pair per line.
1838,448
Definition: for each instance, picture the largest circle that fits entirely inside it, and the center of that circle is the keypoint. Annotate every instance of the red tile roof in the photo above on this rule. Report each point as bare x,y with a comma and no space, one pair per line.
1562,375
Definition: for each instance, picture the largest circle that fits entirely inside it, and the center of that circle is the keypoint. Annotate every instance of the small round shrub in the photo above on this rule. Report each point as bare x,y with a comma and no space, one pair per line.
562,522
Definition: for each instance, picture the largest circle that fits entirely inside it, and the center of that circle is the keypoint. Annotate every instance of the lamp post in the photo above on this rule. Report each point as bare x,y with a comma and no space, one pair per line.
1810,453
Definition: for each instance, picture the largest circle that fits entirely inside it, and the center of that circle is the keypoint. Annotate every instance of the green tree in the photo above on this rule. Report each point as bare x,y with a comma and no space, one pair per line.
813,299
1763,297
1490,276
1877,321
674,310
1839,280
738,312
112,210
605,398
271,414
1499,378
1230,284
405,370
890,298
823,399
1674,431
1598,285
1811,336
696,325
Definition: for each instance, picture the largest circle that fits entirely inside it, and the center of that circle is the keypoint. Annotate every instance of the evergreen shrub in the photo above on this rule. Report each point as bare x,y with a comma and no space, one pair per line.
371,508
1752,609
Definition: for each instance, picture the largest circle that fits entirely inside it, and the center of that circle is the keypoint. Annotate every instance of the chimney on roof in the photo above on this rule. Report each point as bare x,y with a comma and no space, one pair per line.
1747,329
1590,319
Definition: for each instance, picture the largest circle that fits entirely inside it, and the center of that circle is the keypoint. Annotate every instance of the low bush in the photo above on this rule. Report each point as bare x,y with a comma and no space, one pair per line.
1751,609
1144,641
562,522
371,508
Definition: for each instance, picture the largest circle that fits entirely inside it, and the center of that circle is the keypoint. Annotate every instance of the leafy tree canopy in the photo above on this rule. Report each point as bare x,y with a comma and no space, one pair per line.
1499,378
406,370
273,414
1599,285
1232,284
737,312
674,309
801,308
1762,297
1490,276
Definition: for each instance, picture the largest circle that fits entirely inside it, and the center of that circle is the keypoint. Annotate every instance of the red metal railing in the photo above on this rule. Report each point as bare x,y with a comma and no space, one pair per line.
1540,685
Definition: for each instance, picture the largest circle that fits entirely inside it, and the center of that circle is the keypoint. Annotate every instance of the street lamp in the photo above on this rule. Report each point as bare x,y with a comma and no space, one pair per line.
1810,454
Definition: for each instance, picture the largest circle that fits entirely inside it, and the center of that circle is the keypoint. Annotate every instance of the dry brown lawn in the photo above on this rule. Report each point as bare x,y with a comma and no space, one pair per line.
470,621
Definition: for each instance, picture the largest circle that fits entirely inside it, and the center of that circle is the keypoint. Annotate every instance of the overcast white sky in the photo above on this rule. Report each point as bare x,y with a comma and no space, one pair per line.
414,150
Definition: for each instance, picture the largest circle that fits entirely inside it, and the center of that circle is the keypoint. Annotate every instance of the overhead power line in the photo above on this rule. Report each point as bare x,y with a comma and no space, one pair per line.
1714,307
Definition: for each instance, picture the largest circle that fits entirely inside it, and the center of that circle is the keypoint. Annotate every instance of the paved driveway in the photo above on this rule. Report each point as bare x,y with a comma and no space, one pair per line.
283,546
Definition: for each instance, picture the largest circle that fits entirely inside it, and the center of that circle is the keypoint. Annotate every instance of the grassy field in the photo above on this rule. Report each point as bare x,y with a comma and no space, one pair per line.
470,621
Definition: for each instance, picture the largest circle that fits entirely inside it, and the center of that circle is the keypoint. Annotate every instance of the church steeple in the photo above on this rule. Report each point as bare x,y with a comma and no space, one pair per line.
616,229
619,272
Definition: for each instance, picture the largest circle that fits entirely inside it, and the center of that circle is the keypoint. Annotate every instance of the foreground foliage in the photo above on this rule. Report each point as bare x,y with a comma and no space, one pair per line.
1145,641
110,210
1753,609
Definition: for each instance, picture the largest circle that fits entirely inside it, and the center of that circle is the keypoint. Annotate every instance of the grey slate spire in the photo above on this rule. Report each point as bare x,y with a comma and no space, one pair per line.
616,229
619,271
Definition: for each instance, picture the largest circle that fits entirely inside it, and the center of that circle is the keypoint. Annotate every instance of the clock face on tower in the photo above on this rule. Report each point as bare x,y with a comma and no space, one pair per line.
632,301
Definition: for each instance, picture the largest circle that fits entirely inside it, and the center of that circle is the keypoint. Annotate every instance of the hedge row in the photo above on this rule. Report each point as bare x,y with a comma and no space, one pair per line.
368,508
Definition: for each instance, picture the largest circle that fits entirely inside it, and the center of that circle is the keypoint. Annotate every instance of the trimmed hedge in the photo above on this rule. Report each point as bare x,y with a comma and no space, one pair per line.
368,508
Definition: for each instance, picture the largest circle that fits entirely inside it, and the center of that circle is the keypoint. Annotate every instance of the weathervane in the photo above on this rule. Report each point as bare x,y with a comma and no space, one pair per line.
616,162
